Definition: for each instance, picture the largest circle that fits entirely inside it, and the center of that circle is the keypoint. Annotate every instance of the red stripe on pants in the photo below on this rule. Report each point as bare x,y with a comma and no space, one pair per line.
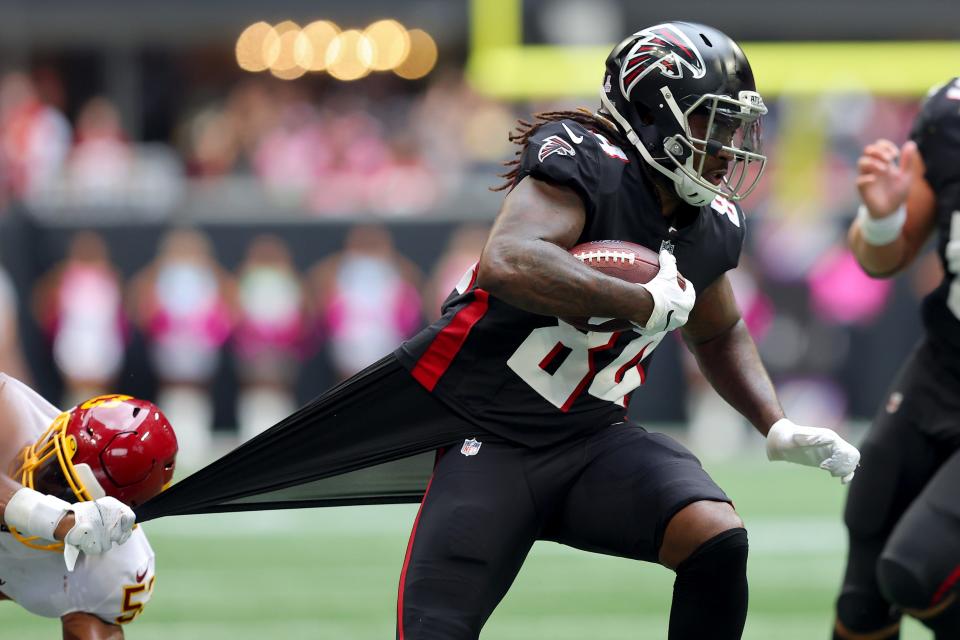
946,586
406,558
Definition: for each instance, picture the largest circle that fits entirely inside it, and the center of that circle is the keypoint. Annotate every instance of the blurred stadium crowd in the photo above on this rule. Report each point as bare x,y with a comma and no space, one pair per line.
335,152
290,312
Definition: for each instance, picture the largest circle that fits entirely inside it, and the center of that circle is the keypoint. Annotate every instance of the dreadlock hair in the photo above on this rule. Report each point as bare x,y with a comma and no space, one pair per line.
521,136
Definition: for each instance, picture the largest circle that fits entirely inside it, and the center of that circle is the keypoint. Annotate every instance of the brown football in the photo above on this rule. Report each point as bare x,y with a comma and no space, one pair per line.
623,260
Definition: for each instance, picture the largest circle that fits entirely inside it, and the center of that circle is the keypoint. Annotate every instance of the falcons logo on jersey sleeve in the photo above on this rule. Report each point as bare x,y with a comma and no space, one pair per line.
665,49
555,144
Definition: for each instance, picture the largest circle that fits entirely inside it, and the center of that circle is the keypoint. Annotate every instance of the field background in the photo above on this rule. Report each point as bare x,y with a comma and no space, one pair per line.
332,574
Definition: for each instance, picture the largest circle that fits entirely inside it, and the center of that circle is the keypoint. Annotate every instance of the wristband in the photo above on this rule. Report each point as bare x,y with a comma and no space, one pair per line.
882,231
35,514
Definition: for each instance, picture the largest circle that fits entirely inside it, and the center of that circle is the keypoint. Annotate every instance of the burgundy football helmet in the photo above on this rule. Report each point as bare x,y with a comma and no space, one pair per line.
113,445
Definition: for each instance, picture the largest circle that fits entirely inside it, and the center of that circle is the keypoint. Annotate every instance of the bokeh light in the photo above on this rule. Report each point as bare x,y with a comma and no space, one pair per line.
310,48
292,73
349,56
250,49
289,52
391,44
422,57
281,47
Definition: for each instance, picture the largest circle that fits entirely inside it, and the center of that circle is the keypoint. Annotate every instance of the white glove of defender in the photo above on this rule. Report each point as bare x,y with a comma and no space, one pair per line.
671,304
100,524
814,447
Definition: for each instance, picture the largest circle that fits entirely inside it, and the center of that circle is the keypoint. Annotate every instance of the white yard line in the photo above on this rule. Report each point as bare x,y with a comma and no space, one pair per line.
814,534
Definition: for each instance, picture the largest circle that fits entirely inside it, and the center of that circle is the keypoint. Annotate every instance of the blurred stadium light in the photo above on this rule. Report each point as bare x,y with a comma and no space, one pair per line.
313,42
422,57
391,44
289,52
349,56
251,47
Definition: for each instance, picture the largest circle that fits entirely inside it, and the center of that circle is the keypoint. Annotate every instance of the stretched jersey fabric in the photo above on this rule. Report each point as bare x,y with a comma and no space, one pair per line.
114,586
535,379
357,443
937,134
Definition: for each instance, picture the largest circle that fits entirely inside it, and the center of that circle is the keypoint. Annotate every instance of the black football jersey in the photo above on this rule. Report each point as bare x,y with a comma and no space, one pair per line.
536,379
937,134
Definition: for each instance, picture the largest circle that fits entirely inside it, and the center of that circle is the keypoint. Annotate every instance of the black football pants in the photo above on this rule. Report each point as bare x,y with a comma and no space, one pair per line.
903,509
611,492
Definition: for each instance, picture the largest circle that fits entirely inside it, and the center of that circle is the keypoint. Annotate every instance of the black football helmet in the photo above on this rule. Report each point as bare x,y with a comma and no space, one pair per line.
661,76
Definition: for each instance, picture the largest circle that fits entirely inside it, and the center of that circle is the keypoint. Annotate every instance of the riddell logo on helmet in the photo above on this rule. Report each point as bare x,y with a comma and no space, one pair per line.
664,48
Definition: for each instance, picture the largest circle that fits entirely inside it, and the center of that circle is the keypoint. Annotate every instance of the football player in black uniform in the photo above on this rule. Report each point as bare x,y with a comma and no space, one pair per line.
903,512
529,411
662,164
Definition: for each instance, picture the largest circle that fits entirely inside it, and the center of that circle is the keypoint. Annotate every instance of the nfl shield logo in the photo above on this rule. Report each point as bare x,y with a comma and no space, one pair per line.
471,447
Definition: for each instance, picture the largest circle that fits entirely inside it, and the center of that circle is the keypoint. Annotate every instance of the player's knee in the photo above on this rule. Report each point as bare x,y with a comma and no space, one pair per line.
693,526
721,559
903,583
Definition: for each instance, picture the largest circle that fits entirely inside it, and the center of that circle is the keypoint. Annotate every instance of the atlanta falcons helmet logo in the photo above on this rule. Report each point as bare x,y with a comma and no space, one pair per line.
664,48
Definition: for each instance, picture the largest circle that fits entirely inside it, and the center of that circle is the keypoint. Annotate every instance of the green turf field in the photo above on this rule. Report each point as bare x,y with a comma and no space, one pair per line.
332,574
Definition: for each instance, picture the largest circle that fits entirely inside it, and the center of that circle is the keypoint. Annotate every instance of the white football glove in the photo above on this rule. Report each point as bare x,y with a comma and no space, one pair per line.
100,524
671,304
814,447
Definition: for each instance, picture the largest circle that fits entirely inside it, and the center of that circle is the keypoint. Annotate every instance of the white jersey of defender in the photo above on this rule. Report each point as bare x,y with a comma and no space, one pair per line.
113,586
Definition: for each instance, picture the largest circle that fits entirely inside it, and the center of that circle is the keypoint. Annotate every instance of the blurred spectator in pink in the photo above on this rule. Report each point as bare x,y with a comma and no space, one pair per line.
181,303
34,138
351,151
291,155
368,299
268,338
79,306
99,166
841,293
462,254
404,184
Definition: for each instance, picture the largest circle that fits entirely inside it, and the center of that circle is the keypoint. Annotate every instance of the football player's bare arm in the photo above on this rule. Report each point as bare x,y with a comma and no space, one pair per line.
885,186
727,355
525,261
85,626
